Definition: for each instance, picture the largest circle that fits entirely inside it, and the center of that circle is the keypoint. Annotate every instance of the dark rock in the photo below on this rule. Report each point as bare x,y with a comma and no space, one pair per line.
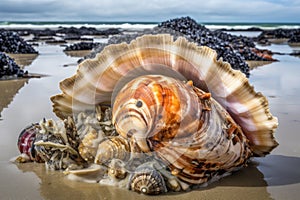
87,31
203,36
72,37
294,39
8,67
295,53
280,33
232,49
252,29
11,42
81,46
46,32
110,31
128,38
55,41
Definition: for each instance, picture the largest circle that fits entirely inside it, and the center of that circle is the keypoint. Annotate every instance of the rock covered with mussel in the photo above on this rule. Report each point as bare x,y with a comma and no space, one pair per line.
9,68
156,115
81,46
233,49
279,35
11,42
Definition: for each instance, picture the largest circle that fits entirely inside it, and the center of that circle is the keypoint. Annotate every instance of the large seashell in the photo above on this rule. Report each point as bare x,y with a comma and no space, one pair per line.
96,80
147,180
195,137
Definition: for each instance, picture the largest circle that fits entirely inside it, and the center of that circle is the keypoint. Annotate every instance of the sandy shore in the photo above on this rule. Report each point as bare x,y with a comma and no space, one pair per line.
275,176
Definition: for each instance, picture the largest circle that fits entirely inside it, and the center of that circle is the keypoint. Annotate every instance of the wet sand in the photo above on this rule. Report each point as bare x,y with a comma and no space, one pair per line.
276,176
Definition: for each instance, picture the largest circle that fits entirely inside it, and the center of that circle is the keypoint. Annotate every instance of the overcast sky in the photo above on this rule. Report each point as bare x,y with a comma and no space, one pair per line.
151,10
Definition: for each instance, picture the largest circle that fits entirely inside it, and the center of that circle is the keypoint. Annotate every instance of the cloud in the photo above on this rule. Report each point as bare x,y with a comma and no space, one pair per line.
155,10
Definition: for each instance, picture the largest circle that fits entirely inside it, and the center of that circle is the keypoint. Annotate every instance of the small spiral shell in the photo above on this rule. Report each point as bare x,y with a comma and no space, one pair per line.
112,147
147,180
89,144
116,169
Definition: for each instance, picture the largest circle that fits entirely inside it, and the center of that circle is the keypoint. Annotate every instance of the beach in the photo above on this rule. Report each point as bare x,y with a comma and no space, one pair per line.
26,101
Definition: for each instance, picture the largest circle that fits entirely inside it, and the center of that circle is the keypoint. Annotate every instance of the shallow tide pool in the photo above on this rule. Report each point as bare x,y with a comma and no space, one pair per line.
276,176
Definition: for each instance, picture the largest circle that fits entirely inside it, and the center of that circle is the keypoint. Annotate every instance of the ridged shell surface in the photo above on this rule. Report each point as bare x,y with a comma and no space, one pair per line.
26,141
147,180
182,125
96,80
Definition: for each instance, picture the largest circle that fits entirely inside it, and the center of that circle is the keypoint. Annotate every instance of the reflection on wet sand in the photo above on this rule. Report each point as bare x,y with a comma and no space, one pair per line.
81,53
8,89
278,170
53,184
23,59
256,64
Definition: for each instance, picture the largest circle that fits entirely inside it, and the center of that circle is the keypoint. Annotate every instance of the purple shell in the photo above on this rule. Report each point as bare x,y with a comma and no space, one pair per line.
26,141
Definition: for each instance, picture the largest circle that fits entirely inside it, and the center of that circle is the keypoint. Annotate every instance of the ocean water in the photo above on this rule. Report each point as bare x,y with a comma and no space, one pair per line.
136,25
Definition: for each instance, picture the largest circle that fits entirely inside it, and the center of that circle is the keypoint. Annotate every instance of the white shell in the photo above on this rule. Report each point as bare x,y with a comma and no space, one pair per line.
96,79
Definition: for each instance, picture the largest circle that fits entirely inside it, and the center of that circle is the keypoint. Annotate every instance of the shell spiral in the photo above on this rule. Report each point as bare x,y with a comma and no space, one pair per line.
182,125
147,180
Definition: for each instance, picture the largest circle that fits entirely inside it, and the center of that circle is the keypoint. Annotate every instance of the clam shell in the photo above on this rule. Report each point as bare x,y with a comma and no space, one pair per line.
92,174
96,80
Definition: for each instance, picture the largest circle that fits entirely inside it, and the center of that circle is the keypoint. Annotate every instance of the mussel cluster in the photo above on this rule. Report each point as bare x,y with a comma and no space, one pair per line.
295,39
81,46
8,67
87,31
67,33
203,36
11,42
233,49
290,34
